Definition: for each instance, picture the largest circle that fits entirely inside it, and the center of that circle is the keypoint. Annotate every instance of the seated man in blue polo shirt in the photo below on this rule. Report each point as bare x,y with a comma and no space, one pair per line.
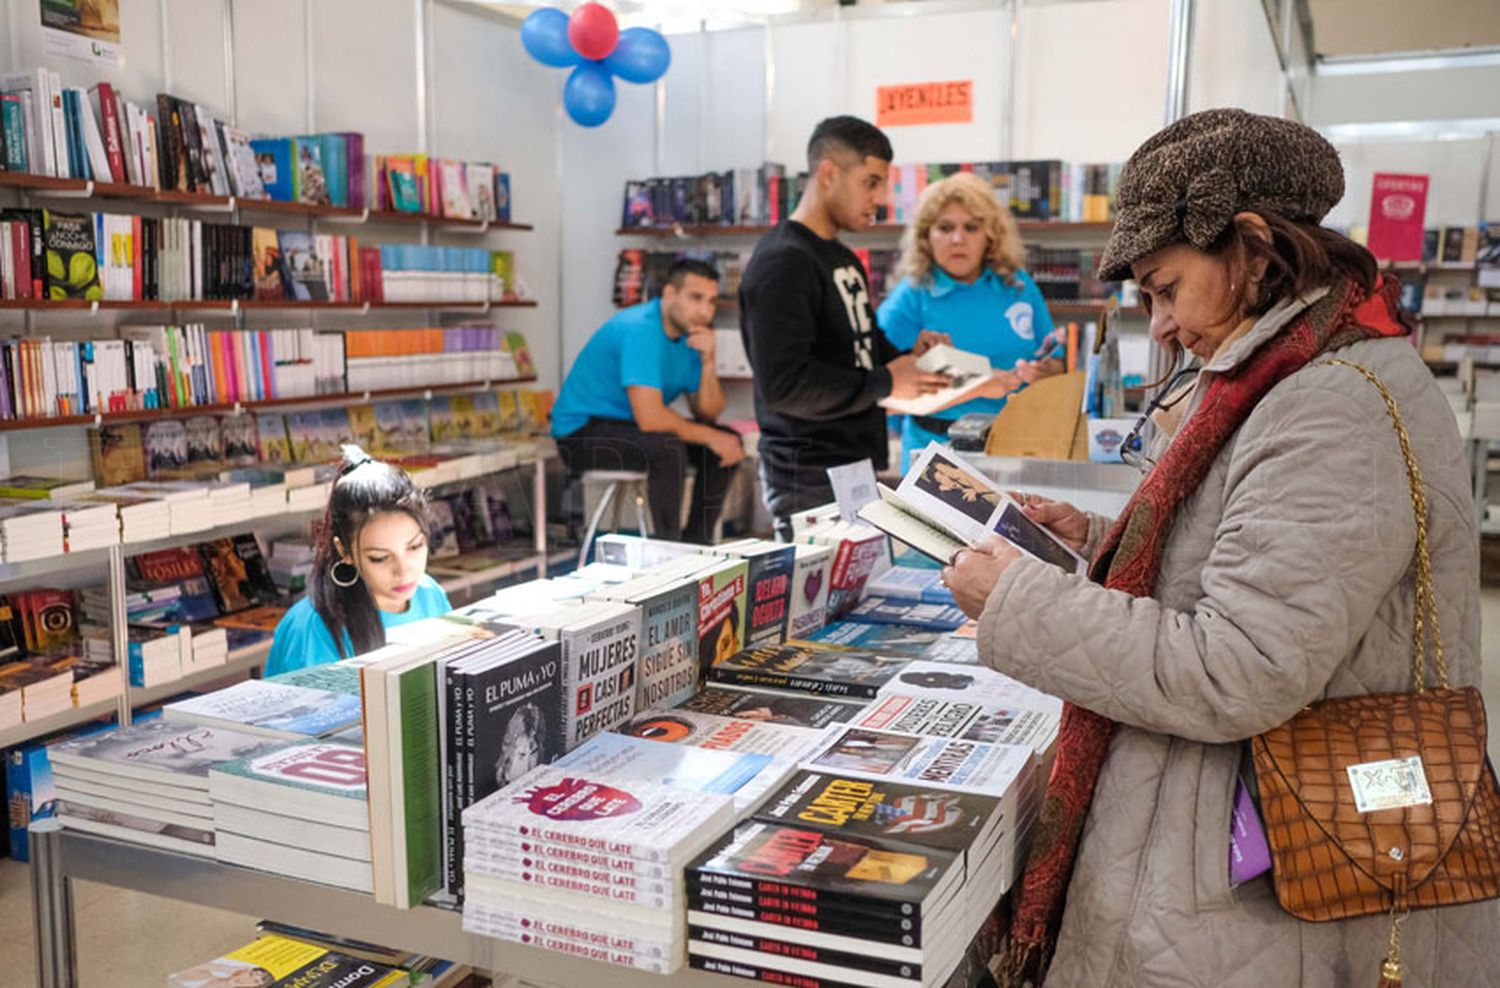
613,411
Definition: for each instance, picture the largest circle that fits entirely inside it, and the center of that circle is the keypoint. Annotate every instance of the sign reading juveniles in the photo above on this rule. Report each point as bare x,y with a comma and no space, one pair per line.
925,103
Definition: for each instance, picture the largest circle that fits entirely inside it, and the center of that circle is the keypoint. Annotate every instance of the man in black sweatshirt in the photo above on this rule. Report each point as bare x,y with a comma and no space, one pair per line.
821,363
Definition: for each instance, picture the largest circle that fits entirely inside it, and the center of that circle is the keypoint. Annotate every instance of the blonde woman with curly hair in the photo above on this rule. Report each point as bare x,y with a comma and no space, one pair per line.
961,275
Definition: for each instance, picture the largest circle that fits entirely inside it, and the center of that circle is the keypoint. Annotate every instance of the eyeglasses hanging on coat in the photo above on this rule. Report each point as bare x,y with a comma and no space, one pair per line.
1177,388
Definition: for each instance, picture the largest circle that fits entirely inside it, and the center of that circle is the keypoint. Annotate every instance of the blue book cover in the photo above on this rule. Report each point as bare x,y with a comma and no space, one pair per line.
274,159
917,585
935,617
29,794
13,123
898,639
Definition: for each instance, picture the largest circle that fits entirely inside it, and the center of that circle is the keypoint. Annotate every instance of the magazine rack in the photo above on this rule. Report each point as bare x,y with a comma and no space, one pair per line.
59,855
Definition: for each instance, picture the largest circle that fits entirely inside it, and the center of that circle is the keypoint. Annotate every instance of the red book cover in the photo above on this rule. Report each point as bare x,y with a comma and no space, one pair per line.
109,109
20,245
168,565
267,360
137,290
1398,207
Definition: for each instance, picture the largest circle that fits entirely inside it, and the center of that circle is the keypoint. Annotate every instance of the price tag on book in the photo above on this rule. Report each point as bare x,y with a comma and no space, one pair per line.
853,487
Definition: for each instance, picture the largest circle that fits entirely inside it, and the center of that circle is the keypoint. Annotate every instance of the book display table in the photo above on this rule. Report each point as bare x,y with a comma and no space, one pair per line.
58,856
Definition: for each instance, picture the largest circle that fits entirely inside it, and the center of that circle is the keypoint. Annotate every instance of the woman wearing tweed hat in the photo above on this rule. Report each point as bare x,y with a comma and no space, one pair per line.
1264,562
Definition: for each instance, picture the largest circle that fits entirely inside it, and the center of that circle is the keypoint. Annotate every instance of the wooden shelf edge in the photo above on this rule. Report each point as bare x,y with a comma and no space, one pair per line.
344,397
80,188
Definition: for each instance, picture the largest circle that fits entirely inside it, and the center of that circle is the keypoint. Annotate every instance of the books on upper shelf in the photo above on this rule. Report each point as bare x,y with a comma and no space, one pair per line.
968,374
289,962
943,505
1032,190
807,668
467,190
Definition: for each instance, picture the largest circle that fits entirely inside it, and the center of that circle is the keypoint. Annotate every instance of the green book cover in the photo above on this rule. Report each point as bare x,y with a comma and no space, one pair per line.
415,700
72,270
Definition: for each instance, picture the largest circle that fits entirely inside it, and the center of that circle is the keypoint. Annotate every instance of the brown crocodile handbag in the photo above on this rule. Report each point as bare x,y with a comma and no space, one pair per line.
1384,803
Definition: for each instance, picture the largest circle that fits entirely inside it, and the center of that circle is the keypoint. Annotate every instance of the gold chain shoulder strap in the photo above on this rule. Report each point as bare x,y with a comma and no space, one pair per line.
1425,614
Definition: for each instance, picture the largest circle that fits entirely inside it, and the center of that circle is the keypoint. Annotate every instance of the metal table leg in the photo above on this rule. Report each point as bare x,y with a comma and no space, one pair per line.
52,909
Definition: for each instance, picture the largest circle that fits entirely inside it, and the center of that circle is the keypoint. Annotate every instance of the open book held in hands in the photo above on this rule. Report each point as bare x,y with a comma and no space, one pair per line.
944,505
967,373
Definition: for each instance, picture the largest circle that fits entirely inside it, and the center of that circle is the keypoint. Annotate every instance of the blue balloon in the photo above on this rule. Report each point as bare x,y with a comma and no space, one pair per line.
544,35
642,55
589,95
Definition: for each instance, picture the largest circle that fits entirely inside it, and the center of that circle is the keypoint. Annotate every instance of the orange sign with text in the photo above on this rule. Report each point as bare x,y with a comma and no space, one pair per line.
925,103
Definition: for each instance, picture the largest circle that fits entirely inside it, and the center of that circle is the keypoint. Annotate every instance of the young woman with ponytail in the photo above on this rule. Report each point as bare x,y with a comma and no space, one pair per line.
369,571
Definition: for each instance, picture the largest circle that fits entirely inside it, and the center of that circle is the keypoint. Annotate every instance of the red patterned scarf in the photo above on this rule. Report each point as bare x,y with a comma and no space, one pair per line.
1130,559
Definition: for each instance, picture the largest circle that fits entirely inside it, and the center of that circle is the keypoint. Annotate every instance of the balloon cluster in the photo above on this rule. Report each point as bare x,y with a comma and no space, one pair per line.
594,46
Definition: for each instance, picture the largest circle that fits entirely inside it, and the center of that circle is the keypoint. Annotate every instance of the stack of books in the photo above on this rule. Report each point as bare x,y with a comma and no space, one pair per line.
864,875
28,487
155,654
32,690
567,857
187,508
142,519
90,525
300,809
146,783
30,530
667,597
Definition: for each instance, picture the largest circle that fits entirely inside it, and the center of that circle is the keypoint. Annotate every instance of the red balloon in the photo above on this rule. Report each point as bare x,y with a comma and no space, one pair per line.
593,31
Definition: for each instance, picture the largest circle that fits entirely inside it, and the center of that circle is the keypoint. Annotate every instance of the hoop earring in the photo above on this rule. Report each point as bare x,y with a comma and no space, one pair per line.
333,574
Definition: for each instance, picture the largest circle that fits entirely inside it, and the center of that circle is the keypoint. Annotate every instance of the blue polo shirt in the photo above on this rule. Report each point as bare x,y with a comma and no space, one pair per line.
1005,321
302,639
630,350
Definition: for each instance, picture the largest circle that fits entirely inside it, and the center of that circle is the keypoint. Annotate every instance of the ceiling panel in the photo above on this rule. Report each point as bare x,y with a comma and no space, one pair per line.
1368,27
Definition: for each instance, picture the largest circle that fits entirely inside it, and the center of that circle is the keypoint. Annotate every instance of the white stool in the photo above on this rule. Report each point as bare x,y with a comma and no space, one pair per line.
612,481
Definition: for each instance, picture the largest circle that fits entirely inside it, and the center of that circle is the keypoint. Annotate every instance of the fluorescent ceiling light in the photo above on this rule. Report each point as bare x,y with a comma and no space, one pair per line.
1412,130
1417,61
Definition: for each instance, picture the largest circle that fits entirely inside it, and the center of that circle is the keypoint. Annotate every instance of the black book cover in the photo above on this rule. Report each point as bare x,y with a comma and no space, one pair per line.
257,572
774,948
1453,244
771,706
901,931
187,122
735,969
169,147
834,672
455,758
814,868
925,817
769,594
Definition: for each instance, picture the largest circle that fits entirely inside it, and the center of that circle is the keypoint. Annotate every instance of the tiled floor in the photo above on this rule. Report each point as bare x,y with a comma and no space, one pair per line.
130,940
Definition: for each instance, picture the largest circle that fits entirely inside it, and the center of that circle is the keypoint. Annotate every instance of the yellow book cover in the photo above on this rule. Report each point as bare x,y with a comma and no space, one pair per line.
277,960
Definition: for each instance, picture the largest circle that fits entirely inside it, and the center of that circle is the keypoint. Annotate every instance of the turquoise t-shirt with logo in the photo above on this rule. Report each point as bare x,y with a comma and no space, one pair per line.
302,639
631,350
1006,320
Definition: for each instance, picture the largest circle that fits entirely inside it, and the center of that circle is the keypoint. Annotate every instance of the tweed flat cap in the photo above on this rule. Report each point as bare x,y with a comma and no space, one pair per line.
1185,184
